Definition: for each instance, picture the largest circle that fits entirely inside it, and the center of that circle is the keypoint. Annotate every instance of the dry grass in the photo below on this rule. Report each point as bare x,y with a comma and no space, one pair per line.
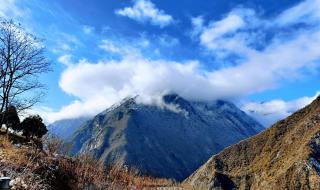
19,163
119,176
84,172
89,173
33,168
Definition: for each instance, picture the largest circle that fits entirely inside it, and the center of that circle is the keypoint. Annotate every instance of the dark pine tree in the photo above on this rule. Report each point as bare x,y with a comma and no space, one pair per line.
11,118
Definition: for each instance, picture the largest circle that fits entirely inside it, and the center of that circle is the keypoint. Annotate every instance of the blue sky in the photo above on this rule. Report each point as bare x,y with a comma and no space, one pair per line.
262,55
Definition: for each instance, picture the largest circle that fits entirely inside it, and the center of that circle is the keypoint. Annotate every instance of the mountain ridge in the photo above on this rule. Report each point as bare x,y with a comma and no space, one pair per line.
164,142
66,127
285,156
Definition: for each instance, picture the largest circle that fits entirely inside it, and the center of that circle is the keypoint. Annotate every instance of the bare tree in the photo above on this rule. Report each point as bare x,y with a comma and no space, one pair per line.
22,60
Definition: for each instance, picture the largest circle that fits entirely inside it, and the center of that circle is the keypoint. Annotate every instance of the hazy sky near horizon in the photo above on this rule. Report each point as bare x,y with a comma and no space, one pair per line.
262,55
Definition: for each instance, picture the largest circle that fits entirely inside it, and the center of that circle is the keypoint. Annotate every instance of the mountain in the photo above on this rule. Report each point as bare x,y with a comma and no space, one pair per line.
66,127
169,140
285,156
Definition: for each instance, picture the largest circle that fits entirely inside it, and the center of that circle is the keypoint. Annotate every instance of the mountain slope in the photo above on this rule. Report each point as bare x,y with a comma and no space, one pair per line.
170,140
285,156
66,127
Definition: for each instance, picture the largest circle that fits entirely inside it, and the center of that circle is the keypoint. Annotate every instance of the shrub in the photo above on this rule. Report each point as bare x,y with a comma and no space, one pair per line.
33,126
55,145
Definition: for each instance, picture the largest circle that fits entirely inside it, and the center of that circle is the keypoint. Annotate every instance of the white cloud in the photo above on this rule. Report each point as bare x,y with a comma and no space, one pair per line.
168,41
144,43
110,46
306,12
74,110
242,30
130,76
264,70
218,29
270,112
197,25
102,84
65,59
63,42
87,29
123,49
226,35
145,11
10,10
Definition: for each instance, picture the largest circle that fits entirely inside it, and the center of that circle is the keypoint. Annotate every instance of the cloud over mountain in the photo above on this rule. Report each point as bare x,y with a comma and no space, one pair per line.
98,85
272,111
261,65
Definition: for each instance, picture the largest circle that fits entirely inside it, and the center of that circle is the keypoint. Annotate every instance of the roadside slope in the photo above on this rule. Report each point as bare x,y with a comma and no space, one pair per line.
285,156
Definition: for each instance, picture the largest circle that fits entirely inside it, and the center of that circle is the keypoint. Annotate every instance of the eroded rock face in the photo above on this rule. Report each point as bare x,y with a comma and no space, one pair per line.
285,156
171,140
314,159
